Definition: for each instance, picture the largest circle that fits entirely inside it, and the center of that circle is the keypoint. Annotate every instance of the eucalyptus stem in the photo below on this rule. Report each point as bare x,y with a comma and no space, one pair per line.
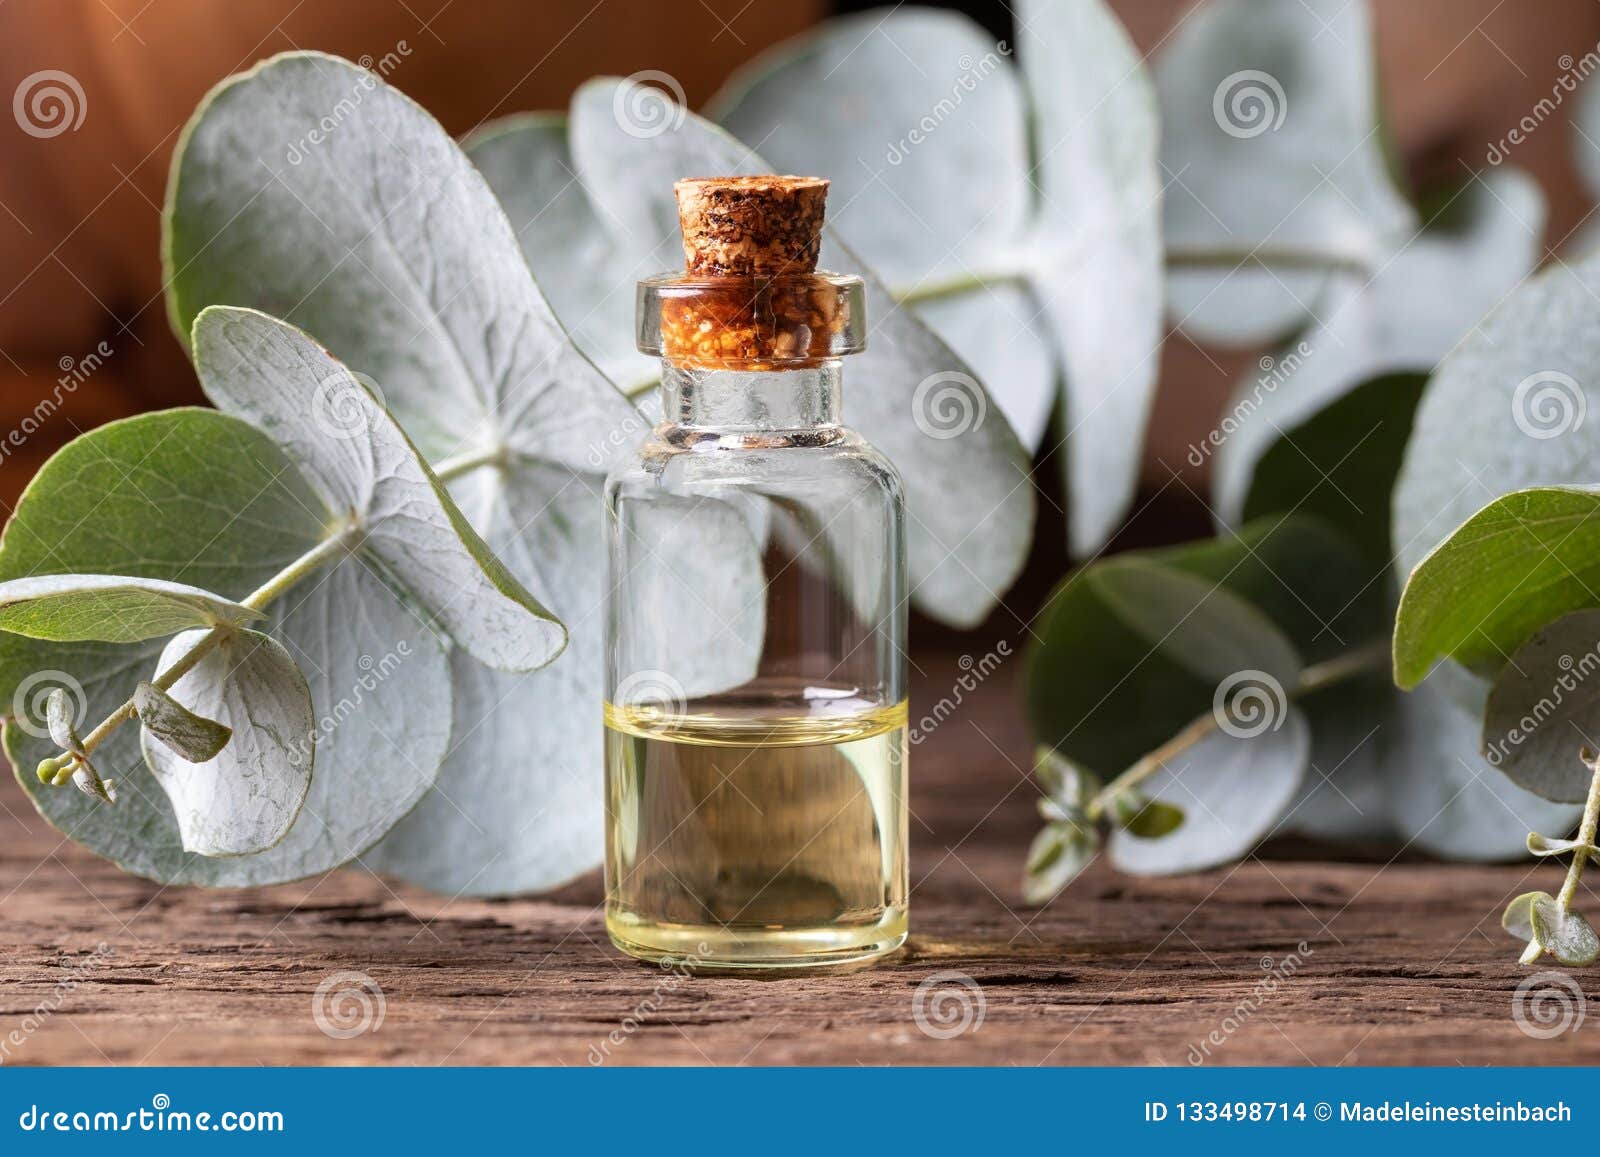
257,600
1363,660
1222,257
1586,832
452,468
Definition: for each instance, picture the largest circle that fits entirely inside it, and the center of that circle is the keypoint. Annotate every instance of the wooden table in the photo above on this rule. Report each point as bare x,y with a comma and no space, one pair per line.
1397,963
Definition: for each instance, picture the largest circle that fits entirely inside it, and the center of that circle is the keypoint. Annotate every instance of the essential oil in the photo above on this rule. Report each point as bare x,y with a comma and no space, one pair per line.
756,713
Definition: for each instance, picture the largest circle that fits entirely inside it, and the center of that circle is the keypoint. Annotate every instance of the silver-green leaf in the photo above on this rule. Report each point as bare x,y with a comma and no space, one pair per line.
244,798
191,736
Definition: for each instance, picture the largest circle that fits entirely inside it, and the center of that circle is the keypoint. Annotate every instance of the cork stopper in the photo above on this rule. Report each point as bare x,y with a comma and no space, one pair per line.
765,226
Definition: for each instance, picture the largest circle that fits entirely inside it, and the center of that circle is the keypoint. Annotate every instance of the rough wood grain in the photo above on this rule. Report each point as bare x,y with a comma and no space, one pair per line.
1402,962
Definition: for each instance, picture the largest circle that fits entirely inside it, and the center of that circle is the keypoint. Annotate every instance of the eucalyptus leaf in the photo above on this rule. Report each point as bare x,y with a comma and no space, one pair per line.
199,497
78,608
383,241
1149,819
244,798
1231,791
1563,933
1518,916
1057,855
272,374
170,723
1544,846
61,713
1504,412
1524,560
386,245
1271,143
1543,709
1444,797
891,105
1129,652
1398,322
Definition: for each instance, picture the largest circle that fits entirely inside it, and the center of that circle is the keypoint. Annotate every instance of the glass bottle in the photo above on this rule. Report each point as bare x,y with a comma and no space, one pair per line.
756,710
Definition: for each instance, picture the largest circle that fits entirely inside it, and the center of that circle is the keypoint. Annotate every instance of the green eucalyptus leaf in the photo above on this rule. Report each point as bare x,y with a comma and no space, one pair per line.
1130,651
1562,933
1444,797
1338,464
1524,560
1371,336
1505,412
1147,818
384,243
272,374
1231,791
1544,846
245,797
1058,854
1518,917
191,736
1068,787
1269,134
199,497
970,515
1544,706
78,608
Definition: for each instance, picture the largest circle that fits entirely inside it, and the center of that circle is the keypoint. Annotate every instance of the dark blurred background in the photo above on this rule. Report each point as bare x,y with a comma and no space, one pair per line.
80,212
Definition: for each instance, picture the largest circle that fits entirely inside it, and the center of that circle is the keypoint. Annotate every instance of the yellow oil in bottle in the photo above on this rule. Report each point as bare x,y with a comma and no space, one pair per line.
743,837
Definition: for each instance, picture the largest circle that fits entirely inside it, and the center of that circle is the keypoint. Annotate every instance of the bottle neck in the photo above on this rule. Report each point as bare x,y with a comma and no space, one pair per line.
744,400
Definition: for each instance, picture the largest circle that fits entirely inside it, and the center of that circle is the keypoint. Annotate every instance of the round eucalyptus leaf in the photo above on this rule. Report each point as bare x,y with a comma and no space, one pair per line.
380,238
1518,916
1369,331
170,723
1057,855
1444,796
1232,791
1269,135
1563,933
1544,709
1544,846
364,468
245,798
1512,407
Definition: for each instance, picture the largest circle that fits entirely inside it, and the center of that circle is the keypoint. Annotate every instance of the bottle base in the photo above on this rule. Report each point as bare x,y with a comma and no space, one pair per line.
713,948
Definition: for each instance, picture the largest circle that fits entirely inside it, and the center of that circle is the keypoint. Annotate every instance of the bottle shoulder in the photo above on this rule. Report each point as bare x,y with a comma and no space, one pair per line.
678,458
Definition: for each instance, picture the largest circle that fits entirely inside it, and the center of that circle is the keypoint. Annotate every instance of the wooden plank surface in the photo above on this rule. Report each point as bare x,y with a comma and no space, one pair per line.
1275,961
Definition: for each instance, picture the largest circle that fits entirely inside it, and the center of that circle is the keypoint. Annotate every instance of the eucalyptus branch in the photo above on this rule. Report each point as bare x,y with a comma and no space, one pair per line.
1361,661
259,599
